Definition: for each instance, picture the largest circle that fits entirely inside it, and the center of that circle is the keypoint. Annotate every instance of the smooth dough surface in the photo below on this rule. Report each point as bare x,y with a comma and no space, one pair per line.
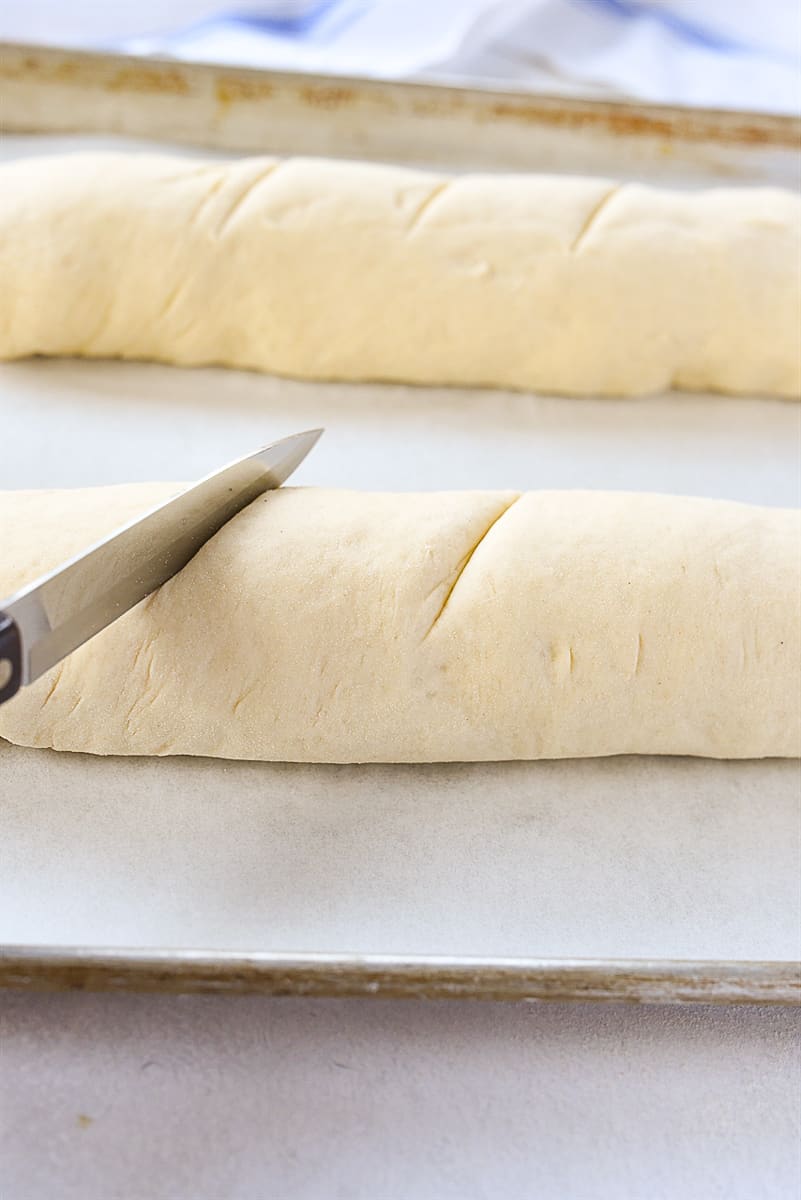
335,270
335,626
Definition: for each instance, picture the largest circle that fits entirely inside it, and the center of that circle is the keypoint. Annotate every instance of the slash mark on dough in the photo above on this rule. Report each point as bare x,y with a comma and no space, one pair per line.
242,197
467,559
173,298
591,218
423,208
194,216
241,699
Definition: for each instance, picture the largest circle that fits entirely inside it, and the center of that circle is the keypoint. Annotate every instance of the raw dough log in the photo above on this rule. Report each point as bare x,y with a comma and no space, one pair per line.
324,626
333,270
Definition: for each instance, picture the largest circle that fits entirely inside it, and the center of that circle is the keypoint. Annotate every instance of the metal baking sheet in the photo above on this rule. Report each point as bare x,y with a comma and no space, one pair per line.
236,109
627,878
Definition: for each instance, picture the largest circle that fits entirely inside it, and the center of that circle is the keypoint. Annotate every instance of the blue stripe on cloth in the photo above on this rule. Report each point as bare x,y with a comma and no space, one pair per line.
688,31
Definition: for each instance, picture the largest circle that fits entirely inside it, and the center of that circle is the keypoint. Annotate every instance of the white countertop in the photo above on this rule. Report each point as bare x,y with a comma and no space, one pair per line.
224,1098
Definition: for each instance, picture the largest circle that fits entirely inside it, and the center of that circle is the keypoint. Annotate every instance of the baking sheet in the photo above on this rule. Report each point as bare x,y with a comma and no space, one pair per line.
237,109
618,861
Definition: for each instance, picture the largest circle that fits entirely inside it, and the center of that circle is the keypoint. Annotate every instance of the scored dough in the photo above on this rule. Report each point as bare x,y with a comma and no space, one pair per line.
334,270
335,626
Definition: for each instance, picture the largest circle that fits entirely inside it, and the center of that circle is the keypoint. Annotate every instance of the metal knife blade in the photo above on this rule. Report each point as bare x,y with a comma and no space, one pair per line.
50,617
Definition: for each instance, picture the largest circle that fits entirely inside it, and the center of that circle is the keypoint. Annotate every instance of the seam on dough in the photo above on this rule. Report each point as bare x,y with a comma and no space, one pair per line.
141,704
149,694
147,643
592,217
241,699
150,660
150,600
425,205
467,560
242,197
204,199
129,714
172,299
54,684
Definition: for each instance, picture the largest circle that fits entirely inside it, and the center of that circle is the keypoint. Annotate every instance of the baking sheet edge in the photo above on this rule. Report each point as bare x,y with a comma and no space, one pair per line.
641,981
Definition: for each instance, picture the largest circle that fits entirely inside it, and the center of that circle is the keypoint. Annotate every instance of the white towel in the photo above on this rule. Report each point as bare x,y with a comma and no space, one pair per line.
699,52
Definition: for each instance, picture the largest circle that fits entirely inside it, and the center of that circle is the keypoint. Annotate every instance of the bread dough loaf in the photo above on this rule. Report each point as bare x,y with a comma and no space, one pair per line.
335,626
334,270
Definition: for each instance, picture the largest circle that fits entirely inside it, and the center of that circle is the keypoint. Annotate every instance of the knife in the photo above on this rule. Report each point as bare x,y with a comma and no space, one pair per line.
46,620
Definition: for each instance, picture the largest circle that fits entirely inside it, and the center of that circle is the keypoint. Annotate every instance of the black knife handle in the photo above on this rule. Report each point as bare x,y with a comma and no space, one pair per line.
10,658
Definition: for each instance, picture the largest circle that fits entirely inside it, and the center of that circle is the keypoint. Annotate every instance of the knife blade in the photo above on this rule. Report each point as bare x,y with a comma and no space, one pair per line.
47,619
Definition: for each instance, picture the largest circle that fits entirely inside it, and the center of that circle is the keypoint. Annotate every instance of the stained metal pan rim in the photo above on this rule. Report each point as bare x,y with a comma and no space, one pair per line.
47,968
130,73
